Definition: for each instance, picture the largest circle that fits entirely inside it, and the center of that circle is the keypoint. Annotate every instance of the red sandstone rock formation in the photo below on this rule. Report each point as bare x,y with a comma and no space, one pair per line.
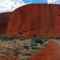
31,19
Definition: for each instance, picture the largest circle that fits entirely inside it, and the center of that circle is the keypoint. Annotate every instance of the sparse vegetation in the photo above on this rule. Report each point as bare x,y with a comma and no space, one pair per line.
21,46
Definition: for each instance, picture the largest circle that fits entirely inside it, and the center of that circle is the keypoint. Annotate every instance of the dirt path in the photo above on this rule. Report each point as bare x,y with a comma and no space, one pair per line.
50,52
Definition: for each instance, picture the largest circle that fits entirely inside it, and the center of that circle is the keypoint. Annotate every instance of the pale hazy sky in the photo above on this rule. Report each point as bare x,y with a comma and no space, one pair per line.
53,1
11,5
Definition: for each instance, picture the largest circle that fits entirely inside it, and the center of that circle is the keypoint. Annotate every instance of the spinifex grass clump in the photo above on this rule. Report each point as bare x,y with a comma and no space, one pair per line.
22,47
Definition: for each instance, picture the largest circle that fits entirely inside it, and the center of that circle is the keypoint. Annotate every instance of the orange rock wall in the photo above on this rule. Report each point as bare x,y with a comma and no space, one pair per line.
38,19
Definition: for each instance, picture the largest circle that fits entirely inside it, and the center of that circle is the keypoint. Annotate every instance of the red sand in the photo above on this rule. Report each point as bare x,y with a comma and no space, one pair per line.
50,52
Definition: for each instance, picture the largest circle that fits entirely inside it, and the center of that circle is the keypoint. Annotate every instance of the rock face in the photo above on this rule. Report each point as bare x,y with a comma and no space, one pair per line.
38,19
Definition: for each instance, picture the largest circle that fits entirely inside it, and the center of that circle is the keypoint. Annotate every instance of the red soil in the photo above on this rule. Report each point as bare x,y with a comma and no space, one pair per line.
50,52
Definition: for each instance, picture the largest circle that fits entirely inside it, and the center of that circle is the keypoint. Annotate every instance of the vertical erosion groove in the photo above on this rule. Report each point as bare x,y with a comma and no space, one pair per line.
3,23
51,16
35,19
58,7
23,18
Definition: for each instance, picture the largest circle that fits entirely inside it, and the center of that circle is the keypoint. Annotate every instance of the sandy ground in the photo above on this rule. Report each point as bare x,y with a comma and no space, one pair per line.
50,52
